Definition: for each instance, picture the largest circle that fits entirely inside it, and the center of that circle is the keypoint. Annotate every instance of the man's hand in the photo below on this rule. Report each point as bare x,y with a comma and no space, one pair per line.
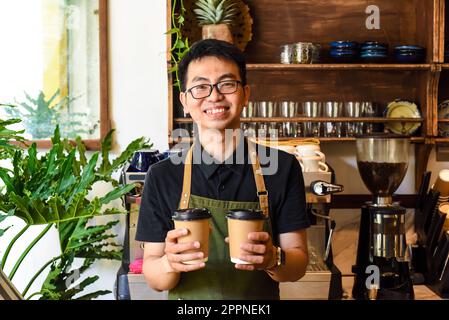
259,252
177,253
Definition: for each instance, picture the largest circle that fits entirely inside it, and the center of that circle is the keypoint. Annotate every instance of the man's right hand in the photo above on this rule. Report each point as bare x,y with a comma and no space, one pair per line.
176,254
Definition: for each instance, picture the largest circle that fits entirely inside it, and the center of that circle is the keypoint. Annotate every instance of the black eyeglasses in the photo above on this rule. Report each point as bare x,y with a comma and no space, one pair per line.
202,91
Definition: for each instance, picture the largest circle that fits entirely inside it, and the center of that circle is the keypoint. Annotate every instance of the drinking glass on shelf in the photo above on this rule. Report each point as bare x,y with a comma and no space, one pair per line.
312,109
274,130
289,109
250,110
353,110
267,109
332,109
369,111
262,130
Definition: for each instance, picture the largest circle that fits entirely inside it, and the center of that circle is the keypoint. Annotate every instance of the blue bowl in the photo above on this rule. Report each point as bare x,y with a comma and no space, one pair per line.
344,44
409,48
409,58
373,57
344,56
374,51
342,52
374,45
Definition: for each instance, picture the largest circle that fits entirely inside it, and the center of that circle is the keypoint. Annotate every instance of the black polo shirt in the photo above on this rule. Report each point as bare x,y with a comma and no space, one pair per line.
231,181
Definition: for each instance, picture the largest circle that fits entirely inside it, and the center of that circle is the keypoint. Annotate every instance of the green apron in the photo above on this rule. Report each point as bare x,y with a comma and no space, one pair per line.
219,280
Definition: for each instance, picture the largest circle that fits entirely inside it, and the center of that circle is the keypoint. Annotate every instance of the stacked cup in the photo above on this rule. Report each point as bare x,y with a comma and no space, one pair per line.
311,158
441,185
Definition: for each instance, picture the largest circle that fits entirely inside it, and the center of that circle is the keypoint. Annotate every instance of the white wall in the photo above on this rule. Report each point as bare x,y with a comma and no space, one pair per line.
138,88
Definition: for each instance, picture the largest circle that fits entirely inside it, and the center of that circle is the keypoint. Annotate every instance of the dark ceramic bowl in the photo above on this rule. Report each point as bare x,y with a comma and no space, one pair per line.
409,57
344,44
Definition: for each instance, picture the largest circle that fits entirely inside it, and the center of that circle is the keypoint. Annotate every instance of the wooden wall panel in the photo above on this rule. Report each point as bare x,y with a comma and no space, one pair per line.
322,21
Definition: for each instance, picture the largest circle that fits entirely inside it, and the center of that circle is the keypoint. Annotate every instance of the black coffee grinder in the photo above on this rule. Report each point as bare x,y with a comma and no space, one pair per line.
381,269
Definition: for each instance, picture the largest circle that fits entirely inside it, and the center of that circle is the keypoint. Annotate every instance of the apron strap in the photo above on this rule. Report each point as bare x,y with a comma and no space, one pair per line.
185,195
262,192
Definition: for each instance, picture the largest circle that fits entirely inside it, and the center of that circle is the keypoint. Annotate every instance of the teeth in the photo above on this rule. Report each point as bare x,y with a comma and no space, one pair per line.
215,111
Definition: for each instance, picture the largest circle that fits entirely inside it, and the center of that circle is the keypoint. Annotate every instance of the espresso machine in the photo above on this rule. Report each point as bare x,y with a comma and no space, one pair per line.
381,270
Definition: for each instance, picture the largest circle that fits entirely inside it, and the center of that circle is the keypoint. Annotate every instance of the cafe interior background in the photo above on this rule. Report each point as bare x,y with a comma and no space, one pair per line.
138,106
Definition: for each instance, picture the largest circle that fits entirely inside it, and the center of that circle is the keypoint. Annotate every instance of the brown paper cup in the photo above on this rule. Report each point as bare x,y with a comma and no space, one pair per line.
198,231
238,230
442,183
443,208
196,221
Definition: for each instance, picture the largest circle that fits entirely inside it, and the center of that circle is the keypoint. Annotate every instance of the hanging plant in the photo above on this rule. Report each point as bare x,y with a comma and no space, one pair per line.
180,43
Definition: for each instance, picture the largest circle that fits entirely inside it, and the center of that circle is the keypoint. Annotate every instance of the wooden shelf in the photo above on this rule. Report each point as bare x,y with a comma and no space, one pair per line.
336,66
318,119
443,120
424,23
322,139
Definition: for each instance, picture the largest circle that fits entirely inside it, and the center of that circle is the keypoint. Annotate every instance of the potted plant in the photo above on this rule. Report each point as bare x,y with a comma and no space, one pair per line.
52,191
215,16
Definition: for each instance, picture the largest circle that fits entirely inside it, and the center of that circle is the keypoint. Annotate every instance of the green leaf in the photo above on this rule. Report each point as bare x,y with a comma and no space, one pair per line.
87,177
32,159
117,193
67,179
7,180
173,31
56,139
81,150
106,146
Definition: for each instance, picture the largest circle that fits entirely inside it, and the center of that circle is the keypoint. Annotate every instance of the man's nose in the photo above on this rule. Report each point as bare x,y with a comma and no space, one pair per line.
215,95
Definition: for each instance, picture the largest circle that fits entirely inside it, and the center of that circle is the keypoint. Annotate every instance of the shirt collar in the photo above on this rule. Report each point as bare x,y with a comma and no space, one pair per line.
209,166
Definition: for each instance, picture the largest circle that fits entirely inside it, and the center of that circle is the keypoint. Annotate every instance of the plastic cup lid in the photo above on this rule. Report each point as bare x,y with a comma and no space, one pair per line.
191,214
245,214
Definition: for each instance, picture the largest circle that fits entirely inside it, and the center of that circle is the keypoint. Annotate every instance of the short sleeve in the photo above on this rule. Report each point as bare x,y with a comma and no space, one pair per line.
154,219
292,213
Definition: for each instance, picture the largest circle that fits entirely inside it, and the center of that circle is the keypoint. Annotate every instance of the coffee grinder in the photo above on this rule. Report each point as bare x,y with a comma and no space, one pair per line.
381,271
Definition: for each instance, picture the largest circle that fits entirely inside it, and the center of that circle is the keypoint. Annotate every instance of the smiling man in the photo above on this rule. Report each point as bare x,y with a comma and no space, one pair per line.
214,92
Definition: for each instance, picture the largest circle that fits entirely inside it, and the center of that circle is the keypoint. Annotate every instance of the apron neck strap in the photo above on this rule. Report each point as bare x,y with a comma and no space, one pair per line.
185,195
262,192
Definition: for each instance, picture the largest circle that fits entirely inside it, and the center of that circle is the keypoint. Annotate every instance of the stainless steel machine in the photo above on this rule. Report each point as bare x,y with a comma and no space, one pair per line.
322,280
381,269
130,285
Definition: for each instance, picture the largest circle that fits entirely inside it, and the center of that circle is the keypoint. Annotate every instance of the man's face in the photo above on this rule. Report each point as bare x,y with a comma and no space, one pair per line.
217,111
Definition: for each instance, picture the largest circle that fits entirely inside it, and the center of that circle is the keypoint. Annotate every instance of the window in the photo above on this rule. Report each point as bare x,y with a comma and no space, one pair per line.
53,66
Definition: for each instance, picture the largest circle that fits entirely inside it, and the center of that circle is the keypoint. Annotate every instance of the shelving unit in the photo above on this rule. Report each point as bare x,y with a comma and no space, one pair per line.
278,22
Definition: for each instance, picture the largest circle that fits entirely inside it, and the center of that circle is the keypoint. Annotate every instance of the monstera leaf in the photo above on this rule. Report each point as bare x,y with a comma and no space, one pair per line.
2,218
78,240
60,285
52,189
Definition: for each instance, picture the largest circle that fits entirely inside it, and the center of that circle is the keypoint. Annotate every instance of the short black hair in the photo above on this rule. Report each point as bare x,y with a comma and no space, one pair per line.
212,48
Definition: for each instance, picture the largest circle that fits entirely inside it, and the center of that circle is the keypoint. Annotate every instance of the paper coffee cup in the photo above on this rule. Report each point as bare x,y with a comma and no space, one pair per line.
240,223
443,208
441,184
196,221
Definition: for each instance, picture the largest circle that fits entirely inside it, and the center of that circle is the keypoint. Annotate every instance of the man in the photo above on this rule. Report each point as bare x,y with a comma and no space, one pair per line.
214,91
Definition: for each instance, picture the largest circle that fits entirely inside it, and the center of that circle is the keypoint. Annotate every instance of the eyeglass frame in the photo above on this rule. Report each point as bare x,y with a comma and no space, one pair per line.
211,88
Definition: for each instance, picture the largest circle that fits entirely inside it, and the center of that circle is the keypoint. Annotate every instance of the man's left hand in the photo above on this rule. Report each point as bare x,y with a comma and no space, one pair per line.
260,253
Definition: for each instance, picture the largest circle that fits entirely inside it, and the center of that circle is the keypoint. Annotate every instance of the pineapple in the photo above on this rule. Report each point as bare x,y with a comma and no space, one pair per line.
215,11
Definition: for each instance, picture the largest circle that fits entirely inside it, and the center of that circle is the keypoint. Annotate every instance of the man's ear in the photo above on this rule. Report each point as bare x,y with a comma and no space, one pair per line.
183,99
247,93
